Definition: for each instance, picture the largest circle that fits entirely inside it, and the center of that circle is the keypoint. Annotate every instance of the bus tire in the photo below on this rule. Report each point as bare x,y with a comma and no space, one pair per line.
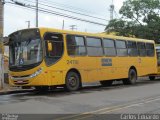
152,77
72,82
132,77
106,83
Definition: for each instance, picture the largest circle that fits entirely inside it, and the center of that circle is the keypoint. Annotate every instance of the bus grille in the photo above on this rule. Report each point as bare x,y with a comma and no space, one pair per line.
21,82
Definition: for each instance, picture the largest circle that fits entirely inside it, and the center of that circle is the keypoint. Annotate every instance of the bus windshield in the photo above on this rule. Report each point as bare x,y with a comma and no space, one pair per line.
25,48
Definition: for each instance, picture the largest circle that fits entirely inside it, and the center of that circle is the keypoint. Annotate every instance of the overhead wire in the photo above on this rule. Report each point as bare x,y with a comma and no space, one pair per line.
58,14
66,6
70,11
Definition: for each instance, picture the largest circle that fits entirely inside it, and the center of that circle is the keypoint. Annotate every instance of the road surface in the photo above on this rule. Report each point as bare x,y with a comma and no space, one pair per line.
144,98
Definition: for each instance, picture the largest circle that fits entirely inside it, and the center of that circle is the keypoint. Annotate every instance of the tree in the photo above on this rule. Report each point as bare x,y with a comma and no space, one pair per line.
121,27
140,18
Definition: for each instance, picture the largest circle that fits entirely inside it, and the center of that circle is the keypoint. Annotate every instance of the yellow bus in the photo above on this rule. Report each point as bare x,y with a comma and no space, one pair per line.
45,57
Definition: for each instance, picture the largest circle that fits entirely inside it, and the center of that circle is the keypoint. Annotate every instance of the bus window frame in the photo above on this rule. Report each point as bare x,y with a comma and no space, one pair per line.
109,47
150,49
95,46
121,48
84,45
132,48
45,49
142,49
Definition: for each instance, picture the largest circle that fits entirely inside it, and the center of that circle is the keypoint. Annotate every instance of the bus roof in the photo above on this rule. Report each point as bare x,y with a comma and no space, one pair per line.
91,34
94,34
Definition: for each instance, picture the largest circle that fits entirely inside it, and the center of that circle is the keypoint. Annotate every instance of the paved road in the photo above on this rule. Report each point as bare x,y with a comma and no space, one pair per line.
144,97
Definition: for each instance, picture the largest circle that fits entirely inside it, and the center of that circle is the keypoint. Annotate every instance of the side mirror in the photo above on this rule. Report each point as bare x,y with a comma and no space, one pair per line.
50,48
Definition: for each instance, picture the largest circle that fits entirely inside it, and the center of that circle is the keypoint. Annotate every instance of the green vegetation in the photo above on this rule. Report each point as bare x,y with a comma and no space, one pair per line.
140,18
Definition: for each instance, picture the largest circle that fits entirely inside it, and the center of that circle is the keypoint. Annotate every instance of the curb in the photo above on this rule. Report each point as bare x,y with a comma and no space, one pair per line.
14,92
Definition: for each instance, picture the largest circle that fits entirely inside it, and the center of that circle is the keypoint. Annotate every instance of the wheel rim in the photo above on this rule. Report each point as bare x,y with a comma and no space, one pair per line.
72,81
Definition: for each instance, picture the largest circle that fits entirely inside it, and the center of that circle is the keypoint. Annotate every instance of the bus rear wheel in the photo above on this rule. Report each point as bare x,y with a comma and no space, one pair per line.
152,77
106,83
72,82
132,77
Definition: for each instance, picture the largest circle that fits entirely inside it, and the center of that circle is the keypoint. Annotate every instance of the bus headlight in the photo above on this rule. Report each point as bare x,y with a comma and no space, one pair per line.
36,73
27,77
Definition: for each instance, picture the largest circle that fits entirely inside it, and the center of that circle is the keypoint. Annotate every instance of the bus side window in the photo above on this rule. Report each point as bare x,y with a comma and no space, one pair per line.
94,46
141,49
121,48
76,45
132,48
150,49
109,47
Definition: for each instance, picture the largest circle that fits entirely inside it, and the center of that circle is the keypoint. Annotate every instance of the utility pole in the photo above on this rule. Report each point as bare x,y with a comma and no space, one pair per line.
36,13
63,25
1,17
73,27
111,10
1,44
28,22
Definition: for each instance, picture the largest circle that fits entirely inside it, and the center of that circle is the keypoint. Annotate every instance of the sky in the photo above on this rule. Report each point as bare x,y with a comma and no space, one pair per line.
15,17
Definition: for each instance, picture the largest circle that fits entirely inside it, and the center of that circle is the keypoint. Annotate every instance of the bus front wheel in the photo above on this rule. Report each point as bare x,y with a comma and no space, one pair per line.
132,77
72,82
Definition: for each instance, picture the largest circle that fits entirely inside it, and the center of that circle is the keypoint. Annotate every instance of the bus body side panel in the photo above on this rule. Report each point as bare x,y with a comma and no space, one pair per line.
148,65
